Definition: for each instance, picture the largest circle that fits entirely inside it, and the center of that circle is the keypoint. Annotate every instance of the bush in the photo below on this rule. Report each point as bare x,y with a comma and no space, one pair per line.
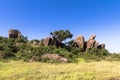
24,50
113,57
8,53
95,54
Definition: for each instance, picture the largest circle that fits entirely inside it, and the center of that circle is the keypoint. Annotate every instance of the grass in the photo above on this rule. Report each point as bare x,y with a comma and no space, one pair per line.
19,70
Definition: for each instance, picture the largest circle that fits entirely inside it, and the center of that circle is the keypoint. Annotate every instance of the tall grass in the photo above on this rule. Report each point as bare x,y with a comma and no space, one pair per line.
19,70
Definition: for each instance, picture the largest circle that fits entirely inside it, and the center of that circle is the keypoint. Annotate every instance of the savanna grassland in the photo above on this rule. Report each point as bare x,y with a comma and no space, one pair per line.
51,59
20,70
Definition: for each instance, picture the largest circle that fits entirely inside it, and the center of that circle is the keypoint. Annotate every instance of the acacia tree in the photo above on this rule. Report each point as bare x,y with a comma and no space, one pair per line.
62,35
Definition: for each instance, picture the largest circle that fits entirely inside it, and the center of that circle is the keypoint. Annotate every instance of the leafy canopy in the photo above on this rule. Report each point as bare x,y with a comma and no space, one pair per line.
62,35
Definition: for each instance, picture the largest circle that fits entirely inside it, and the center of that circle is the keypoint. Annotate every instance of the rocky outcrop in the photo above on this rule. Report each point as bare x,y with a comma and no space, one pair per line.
52,41
92,37
90,43
54,57
49,41
79,41
96,44
12,33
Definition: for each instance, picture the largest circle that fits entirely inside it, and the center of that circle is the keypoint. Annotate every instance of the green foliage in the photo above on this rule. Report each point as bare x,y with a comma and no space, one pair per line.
95,54
8,53
20,40
20,48
62,35
70,42
34,40
24,50
7,47
25,38
113,57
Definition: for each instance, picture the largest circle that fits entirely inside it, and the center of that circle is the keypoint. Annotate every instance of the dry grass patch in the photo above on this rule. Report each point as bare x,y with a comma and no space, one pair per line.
19,70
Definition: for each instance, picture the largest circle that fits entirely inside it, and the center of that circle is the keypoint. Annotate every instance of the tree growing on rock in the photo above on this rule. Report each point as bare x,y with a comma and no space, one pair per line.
61,35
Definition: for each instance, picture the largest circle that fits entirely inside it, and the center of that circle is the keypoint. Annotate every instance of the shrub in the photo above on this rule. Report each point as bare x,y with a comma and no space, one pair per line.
26,51
8,53
95,54
113,57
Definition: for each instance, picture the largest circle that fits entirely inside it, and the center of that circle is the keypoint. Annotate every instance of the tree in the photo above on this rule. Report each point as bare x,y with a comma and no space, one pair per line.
71,42
62,35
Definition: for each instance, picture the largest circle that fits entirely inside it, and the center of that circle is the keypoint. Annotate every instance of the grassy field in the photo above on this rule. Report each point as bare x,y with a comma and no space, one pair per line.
19,70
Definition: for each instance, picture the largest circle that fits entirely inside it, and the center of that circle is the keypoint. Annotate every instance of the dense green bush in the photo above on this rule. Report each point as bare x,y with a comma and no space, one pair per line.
22,49
113,57
95,54
8,53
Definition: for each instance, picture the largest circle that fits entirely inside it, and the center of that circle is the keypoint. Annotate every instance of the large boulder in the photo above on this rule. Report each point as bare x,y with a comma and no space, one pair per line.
92,37
63,60
48,41
53,42
13,33
96,44
54,57
91,42
80,41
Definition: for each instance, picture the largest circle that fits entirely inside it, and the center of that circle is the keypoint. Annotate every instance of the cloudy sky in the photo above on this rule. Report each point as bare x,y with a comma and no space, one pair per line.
37,18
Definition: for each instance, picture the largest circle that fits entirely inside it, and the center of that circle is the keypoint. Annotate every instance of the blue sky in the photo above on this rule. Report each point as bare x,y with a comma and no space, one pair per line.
37,18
